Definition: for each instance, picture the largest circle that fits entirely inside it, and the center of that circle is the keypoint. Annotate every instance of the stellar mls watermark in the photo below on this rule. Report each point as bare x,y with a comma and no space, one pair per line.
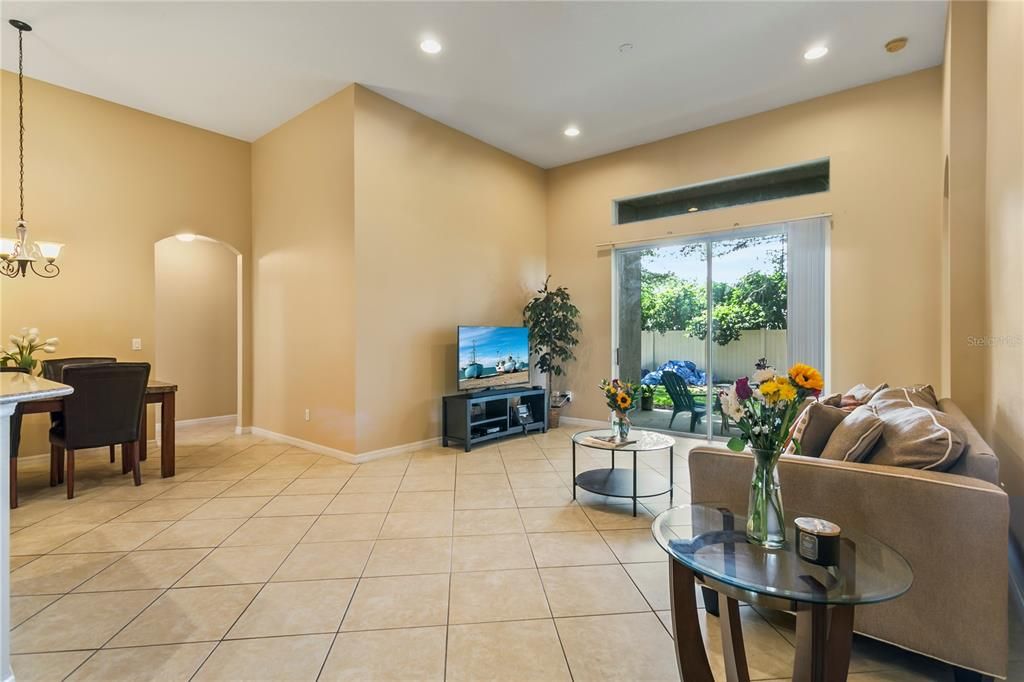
1005,341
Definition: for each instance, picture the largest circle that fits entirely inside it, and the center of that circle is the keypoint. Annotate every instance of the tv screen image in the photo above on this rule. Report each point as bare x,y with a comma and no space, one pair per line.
493,356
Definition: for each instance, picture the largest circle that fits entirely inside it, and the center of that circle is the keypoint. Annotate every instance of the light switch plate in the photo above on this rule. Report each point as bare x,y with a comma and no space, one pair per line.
136,344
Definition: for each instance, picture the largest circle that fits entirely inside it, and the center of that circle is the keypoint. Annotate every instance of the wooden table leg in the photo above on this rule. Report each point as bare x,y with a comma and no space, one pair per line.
811,641
167,435
691,657
733,650
840,642
144,433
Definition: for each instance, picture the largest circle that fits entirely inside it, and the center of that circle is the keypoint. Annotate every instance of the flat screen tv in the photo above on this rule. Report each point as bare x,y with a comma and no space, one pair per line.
491,357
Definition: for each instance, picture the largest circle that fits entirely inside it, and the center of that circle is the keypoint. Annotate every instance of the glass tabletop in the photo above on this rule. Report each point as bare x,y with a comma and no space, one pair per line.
712,542
645,440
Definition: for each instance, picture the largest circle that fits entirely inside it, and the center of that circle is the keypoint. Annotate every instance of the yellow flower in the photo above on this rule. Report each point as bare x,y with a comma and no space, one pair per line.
807,377
787,391
624,401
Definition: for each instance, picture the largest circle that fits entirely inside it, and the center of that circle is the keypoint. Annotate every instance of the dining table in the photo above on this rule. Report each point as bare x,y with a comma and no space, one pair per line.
157,393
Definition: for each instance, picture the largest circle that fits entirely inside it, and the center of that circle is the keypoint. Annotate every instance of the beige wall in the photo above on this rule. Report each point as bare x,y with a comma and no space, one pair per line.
449,231
110,182
883,140
963,209
304,286
1004,423
197,325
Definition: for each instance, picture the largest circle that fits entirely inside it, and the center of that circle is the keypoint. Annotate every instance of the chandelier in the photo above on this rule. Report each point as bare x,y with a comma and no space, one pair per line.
19,255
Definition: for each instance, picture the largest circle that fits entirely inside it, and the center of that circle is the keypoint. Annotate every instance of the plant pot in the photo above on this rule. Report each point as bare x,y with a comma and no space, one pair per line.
553,414
647,403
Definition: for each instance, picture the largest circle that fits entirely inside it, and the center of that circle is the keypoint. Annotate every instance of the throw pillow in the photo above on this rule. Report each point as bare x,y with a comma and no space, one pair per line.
915,435
813,428
921,394
832,400
854,437
861,394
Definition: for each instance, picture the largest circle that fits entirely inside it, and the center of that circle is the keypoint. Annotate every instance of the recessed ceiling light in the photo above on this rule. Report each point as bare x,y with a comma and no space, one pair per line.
571,131
185,237
816,52
430,46
692,209
896,44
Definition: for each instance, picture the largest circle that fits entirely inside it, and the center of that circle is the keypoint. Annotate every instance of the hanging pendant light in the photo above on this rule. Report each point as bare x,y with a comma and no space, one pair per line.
18,256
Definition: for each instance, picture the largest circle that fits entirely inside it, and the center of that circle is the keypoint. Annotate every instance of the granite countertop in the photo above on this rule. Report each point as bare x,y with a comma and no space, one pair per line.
16,387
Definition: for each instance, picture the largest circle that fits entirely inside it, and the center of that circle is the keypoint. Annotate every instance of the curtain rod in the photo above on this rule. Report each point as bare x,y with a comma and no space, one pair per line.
695,235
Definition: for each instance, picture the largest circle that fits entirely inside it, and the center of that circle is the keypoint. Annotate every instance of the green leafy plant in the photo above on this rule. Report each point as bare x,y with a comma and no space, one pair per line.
646,391
552,320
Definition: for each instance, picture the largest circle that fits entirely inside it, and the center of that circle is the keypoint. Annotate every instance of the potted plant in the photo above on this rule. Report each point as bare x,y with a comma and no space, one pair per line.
552,320
646,397
24,344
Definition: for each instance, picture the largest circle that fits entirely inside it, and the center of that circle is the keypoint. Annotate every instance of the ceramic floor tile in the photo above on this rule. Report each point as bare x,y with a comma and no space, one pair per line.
256,488
43,539
161,510
570,549
79,621
387,655
435,501
314,486
360,503
552,519
484,499
90,512
46,667
410,556
333,469
626,646
652,581
528,466
618,517
591,590
229,508
633,546
482,482
187,615
193,534
282,472
295,505
372,484
291,659
479,463
271,530
390,466
427,482
487,522
23,608
236,565
769,655
114,537
58,573
513,651
417,524
396,602
488,596
491,552
295,608
196,489
144,570
325,560
543,497
535,480
141,664
345,527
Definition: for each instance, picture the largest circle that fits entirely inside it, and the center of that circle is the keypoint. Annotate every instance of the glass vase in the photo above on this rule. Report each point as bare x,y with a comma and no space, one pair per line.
620,425
766,522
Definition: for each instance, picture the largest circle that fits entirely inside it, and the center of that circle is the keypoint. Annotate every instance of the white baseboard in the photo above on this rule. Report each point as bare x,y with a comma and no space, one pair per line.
242,430
344,456
224,419
579,421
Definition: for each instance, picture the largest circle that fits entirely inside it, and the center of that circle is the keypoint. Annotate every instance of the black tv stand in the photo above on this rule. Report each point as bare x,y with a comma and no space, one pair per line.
478,417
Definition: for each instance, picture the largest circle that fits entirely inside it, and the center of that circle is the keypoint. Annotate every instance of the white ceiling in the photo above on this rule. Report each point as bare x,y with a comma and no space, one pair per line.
512,74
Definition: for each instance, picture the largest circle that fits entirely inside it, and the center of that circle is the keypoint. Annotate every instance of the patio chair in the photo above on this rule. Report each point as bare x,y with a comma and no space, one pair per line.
682,399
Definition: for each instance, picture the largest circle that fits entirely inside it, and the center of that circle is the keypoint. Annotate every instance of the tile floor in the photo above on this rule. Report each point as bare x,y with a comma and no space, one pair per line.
263,561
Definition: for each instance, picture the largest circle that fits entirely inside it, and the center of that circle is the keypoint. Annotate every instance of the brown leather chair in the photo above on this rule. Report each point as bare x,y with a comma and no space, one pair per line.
105,409
15,440
51,369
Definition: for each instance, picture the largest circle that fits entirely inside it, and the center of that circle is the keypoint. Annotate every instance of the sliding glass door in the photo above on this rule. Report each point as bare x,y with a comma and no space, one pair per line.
693,316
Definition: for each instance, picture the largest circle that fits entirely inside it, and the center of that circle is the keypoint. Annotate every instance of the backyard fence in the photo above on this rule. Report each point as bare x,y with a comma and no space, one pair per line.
729,362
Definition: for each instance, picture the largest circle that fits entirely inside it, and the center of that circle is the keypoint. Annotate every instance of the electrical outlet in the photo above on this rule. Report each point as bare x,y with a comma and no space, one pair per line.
568,395
307,414
136,344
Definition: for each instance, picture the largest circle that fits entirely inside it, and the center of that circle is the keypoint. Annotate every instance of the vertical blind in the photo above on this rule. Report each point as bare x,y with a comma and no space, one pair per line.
807,288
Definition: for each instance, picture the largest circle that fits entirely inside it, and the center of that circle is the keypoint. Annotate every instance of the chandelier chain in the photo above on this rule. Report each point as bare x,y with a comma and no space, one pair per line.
21,129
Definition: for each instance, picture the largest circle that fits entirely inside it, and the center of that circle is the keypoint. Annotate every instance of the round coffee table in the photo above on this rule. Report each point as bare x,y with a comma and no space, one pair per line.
709,544
629,483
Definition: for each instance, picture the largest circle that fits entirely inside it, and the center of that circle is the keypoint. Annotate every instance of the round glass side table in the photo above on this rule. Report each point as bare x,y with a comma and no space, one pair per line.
708,544
619,482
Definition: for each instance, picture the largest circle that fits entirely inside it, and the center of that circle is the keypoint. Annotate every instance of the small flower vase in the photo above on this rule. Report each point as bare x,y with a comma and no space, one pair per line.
620,425
766,522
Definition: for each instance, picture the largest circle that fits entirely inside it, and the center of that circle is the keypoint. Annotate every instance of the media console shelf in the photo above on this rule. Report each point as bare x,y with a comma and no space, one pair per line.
472,418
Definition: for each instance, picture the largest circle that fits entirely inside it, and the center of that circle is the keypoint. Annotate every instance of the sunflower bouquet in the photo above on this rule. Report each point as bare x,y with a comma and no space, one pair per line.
764,406
621,398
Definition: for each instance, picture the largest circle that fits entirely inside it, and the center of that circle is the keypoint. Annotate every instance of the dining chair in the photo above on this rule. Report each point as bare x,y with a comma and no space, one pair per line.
15,440
51,369
104,410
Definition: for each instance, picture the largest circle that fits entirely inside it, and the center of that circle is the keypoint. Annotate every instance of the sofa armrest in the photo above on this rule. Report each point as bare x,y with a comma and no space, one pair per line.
952,530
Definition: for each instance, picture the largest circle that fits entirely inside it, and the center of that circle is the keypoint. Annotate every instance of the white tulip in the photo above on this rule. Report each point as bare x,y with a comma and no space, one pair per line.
48,348
24,331
52,341
14,338
32,338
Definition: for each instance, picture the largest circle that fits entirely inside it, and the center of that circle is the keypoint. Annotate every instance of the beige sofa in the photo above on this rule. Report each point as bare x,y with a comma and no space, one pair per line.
952,527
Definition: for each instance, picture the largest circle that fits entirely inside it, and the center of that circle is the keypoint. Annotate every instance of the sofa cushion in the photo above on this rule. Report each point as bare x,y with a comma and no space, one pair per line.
861,394
813,428
921,394
915,435
855,437
978,460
